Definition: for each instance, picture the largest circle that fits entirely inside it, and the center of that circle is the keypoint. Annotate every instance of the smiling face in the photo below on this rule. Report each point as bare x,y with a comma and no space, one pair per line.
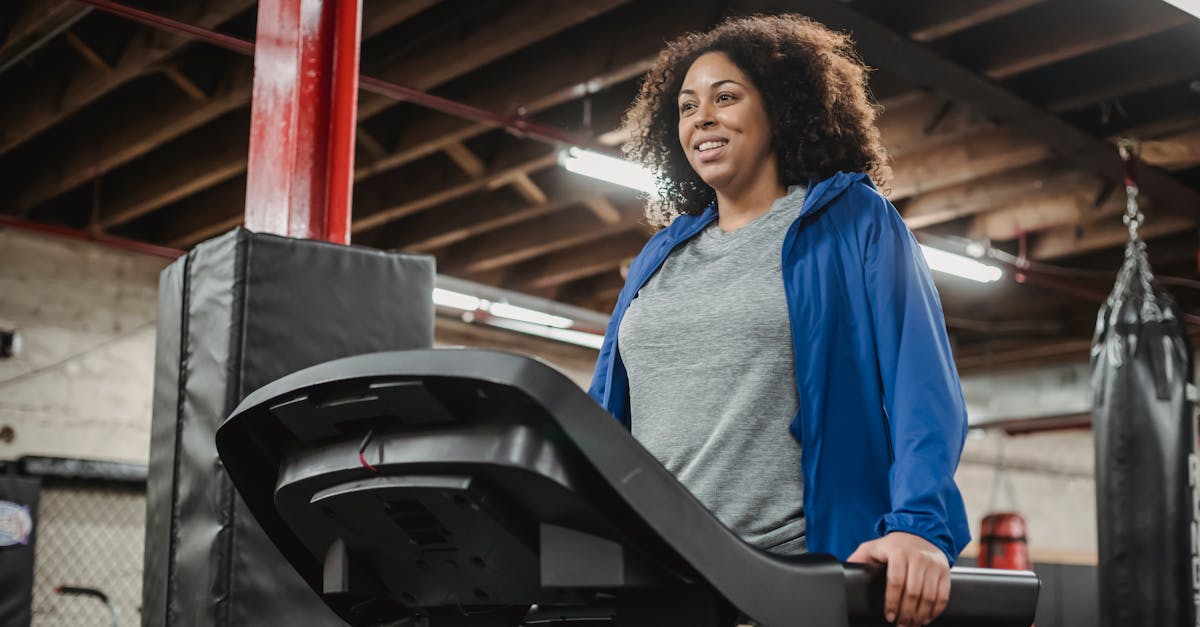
723,127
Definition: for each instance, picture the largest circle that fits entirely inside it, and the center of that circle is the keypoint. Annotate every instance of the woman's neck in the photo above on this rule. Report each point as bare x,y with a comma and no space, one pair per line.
735,210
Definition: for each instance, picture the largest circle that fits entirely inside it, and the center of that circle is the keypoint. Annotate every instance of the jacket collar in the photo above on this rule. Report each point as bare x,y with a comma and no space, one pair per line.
819,195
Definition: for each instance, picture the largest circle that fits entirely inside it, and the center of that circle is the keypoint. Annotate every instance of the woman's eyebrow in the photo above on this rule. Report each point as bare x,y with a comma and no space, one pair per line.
712,86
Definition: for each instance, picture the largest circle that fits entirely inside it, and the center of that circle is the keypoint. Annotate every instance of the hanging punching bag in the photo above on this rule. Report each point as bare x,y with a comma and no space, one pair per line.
1145,437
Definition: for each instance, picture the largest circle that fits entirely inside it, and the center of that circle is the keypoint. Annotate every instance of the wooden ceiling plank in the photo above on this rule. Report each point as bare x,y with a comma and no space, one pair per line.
390,200
590,259
883,48
597,293
953,17
918,123
137,194
381,15
1071,240
51,100
465,159
130,133
430,68
370,144
483,214
528,190
989,192
37,21
989,151
1106,25
515,28
205,215
184,83
527,240
1175,152
87,53
603,208
1035,213
612,51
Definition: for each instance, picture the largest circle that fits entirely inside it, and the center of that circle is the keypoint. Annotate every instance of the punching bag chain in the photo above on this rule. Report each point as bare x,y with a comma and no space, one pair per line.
1133,216
1137,267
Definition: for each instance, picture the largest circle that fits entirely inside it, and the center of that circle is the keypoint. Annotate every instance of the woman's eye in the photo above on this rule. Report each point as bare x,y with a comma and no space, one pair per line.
687,106
724,97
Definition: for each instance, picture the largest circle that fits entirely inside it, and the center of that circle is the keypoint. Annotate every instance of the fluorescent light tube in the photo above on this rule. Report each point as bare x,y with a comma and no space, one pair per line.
959,265
607,168
455,300
579,338
512,312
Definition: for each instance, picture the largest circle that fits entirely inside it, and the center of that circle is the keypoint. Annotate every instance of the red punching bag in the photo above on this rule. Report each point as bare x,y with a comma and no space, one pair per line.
1003,542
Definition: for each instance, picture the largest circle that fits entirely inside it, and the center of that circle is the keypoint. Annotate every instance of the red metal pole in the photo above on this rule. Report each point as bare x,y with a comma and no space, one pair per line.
301,163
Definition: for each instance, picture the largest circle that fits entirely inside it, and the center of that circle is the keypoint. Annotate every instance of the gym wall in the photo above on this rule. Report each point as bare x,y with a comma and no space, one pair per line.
81,386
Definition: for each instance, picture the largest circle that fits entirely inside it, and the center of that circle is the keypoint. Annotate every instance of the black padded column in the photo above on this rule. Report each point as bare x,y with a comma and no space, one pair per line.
238,312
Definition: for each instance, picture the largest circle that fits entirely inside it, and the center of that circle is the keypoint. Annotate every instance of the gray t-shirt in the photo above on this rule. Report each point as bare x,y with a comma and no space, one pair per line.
708,349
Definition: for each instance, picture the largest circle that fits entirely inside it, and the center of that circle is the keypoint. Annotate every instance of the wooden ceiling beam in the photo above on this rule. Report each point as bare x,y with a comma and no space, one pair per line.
391,198
603,208
483,213
598,293
613,49
527,240
36,21
985,152
432,66
184,82
586,260
87,53
1171,57
989,192
1175,152
947,18
380,16
515,28
468,161
1039,212
528,190
1017,48
920,122
1072,240
136,192
57,96
203,215
128,133
882,47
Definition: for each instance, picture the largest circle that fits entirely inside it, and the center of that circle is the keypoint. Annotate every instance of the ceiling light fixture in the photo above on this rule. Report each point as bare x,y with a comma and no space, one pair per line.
523,314
1188,6
959,265
606,168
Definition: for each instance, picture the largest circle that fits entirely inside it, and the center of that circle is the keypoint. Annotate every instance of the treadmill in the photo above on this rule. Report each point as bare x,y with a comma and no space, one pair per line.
473,488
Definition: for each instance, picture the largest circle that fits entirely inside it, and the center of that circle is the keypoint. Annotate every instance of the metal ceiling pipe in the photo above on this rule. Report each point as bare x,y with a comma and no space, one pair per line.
519,126
43,40
121,243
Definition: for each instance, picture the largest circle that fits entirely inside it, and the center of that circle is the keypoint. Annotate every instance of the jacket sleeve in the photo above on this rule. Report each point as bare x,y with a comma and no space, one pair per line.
921,390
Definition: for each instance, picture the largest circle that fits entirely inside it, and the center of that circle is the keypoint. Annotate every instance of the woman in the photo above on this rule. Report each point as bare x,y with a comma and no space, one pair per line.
779,344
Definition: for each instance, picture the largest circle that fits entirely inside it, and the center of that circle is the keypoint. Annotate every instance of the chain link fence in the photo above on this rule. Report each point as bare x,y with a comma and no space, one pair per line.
90,537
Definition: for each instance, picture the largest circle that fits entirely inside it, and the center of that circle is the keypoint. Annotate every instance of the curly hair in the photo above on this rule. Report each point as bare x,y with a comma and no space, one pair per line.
814,89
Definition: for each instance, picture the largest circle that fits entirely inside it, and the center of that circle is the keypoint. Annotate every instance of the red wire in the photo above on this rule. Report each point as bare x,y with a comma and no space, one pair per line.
362,459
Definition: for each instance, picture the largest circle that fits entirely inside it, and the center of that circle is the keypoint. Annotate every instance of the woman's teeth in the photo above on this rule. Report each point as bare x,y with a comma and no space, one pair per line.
709,145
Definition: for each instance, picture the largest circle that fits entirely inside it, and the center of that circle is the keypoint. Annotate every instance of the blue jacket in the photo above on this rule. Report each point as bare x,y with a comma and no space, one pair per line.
882,419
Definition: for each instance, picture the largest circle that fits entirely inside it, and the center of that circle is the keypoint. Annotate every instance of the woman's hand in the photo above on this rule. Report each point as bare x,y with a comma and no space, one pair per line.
918,576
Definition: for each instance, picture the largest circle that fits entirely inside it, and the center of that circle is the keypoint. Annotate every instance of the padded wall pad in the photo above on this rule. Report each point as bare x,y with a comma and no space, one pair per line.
1145,454
237,312
19,498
